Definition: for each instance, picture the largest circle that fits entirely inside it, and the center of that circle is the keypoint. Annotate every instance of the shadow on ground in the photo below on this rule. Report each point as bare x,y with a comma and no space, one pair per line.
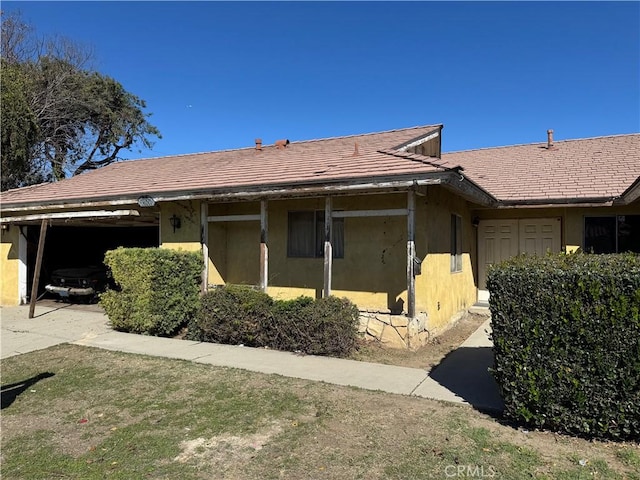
13,390
465,371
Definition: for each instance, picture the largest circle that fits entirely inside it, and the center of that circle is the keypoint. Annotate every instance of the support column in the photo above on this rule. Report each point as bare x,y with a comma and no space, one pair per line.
204,241
22,265
36,274
264,246
411,253
328,248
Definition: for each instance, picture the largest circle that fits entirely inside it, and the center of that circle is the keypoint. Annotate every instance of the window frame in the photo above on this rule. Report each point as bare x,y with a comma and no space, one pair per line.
456,243
616,232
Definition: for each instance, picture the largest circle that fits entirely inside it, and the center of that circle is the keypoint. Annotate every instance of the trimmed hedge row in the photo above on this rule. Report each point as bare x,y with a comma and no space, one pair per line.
566,334
158,289
236,314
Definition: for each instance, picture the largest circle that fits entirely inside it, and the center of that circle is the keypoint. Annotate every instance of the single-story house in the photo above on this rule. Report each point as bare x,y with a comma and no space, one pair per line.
385,219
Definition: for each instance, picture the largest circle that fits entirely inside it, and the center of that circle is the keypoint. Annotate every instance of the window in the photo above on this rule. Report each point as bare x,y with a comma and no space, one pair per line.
612,234
456,243
306,235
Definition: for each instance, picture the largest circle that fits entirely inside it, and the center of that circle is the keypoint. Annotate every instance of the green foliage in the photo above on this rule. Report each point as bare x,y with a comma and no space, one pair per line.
19,129
158,289
235,314
326,326
58,117
242,315
566,334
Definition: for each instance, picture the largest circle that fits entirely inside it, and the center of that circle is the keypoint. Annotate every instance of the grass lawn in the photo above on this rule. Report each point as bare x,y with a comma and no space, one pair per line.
95,414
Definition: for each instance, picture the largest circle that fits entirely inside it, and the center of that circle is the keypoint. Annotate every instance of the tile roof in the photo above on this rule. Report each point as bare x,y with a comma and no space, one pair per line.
573,170
305,162
592,169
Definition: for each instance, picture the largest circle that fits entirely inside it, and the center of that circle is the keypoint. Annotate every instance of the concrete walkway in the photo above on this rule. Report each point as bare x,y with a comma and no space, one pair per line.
462,377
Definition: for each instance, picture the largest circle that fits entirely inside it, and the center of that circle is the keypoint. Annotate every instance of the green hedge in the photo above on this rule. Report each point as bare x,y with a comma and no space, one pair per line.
326,326
237,314
566,334
234,315
158,289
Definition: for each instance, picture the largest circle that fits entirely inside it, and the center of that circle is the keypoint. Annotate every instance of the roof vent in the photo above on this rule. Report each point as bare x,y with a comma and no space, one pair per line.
282,144
356,152
549,139
258,144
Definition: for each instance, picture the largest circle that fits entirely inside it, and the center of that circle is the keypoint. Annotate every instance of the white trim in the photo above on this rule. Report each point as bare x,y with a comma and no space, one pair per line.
420,142
72,215
204,225
371,213
212,196
22,267
328,247
411,253
234,218
264,245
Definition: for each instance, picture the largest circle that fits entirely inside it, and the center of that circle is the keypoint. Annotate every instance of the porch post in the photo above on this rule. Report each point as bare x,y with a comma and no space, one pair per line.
411,253
36,274
204,241
328,248
22,265
264,247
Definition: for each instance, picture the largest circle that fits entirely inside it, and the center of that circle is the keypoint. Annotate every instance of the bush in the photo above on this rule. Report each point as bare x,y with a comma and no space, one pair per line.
327,326
234,315
158,289
566,334
241,315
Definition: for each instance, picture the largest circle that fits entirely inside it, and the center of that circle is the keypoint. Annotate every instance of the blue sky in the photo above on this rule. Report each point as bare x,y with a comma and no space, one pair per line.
217,75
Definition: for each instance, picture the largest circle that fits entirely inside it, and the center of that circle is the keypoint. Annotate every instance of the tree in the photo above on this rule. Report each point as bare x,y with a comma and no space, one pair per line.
19,130
60,118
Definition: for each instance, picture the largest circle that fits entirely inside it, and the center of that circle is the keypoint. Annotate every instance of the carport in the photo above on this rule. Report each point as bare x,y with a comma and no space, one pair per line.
48,241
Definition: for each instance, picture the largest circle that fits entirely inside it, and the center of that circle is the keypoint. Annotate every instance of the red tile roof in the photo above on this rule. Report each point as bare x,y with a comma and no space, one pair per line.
305,162
592,169
572,170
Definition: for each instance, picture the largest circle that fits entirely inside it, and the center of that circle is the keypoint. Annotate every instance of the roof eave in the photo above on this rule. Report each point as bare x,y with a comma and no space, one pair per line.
557,202
437,131
631,194
246,192
468,189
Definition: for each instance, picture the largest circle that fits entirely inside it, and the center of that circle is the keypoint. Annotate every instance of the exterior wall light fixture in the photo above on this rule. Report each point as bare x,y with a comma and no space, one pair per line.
174,220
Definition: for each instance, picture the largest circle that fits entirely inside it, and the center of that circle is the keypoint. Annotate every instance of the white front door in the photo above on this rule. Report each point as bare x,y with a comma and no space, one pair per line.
500,240
539,235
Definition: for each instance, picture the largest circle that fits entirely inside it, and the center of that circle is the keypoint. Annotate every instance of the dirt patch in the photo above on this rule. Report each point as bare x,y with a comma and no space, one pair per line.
428,356
223,448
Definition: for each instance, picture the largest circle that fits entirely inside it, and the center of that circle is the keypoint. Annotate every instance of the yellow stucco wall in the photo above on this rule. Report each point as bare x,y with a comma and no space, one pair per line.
9,264
373,271
440,292
187,237
234,247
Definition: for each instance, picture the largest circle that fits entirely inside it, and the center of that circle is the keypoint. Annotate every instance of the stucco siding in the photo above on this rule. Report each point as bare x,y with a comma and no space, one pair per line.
441,293
187,236
372,272
9,266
